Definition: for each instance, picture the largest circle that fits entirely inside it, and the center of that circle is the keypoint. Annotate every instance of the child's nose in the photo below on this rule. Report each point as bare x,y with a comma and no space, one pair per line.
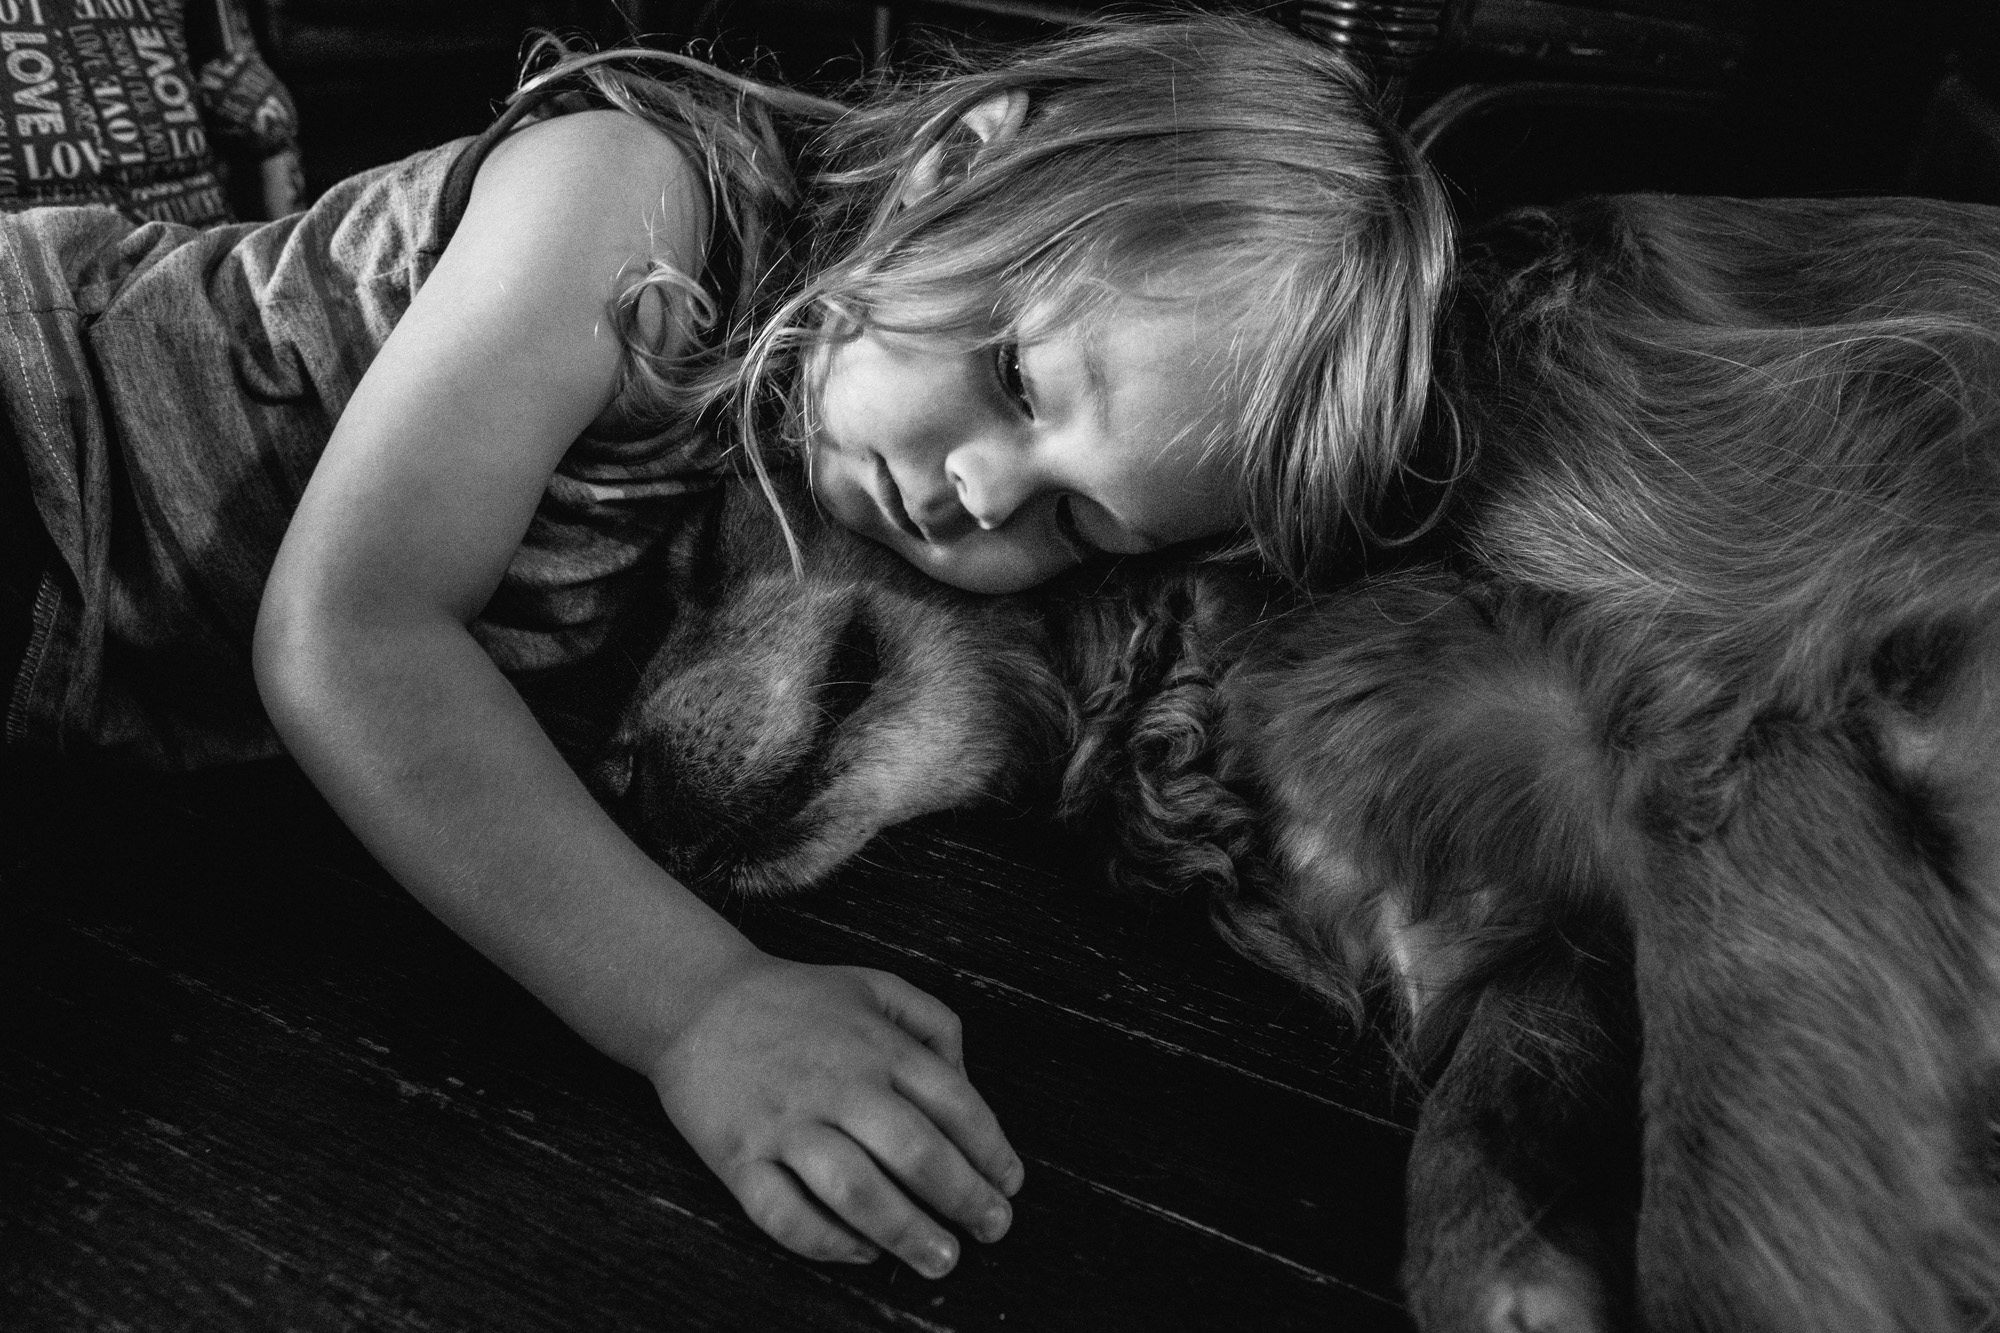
990,483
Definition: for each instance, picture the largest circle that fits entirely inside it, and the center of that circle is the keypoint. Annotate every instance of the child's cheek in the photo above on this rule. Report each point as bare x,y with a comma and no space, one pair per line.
839,495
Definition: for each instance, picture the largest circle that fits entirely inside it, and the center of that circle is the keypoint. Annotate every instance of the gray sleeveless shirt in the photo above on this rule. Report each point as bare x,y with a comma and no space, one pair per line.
170,391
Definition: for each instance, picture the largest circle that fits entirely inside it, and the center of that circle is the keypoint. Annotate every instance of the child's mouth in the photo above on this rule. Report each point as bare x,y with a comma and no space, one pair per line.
890,497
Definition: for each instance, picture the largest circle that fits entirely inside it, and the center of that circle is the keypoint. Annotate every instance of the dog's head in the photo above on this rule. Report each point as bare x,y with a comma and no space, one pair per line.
787,718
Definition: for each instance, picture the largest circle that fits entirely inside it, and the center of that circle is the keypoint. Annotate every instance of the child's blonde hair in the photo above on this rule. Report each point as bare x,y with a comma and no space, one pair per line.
1193,156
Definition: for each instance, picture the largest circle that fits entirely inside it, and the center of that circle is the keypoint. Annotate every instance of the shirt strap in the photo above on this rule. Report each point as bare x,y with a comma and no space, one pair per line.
548,99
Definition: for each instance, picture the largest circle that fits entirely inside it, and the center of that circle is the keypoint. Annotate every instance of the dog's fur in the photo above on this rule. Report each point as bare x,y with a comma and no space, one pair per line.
1665,797
785,719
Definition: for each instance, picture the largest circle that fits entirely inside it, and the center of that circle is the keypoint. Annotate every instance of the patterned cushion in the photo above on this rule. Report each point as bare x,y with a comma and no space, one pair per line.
101,105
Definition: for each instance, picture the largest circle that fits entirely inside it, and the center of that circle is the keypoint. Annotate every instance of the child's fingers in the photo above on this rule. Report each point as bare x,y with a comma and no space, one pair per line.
923,1016
945,1095
930,1166
782,1209
851,1185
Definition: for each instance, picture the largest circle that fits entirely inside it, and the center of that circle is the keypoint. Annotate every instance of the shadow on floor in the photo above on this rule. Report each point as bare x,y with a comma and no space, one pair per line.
249,1084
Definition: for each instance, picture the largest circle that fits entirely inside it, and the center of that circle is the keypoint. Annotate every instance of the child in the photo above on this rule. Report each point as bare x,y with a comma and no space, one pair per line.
1154,282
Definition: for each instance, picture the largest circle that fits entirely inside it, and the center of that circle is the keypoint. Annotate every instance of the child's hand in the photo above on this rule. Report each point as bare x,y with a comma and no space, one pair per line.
828,1099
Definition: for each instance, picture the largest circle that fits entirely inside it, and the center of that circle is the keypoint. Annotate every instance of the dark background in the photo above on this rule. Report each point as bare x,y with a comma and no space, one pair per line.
1526,99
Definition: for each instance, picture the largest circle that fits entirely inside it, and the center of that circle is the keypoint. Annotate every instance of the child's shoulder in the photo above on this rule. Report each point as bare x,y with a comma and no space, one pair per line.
596,195
597,158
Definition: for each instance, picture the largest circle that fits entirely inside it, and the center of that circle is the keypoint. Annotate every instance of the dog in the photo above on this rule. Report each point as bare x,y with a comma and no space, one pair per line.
786,715
1659,789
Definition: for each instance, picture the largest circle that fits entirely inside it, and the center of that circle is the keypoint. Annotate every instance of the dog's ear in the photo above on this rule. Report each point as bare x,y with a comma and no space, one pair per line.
1144,649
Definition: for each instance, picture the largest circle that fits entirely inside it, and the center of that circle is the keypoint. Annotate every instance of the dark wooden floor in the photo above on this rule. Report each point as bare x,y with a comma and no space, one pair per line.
245,1083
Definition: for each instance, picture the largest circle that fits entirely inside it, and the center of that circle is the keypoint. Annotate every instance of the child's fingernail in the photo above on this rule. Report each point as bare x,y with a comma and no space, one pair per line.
994,1225
1014,1174
937,1258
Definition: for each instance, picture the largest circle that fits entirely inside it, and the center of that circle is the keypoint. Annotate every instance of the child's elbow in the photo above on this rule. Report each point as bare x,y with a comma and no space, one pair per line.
304,652
286,651
324,652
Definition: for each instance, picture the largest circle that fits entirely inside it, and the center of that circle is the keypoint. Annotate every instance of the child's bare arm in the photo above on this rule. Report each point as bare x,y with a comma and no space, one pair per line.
817,1093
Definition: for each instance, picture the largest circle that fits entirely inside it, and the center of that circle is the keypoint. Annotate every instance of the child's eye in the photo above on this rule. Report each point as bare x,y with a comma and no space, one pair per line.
1007,365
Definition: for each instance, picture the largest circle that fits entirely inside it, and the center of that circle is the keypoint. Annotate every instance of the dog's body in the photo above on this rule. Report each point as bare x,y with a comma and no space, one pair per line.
1736,674
1667,797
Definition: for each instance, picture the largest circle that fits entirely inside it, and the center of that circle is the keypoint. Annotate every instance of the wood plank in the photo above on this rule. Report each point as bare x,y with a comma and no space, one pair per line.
250,1084
1250,1154
1148,963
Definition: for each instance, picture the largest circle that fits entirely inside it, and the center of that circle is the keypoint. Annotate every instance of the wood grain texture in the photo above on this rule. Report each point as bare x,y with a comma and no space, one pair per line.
247,1084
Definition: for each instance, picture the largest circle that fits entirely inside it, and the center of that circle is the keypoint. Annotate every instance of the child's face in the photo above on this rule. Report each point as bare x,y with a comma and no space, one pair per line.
994,468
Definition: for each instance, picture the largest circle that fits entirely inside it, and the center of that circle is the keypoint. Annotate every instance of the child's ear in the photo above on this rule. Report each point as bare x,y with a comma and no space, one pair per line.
992,121
995,119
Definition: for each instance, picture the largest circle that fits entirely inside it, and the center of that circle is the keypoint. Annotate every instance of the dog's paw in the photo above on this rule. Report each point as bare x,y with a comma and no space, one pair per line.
1561,1295
1534,1287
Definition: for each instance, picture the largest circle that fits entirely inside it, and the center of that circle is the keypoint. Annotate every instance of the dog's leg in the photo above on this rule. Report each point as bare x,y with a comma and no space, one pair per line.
1524,1176
1441,795
1816,977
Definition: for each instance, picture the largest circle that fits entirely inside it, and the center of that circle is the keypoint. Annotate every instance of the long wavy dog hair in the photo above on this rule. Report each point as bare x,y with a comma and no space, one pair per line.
1694,726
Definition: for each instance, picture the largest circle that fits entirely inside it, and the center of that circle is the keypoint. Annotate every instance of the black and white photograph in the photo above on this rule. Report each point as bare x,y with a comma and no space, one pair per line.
999,666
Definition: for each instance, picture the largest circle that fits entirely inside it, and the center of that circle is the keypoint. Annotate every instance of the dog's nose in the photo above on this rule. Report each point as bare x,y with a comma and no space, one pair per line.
716,760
